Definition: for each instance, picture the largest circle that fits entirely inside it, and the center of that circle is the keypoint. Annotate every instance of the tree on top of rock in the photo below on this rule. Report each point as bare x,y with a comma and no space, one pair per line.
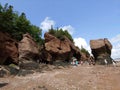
83,50
60,33
17,25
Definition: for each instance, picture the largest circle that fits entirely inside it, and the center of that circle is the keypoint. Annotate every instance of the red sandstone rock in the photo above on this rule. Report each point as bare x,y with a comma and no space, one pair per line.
101,49
8,49
27,47
60,49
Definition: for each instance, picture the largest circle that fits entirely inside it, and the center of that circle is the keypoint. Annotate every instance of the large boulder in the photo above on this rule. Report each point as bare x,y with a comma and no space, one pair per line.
57,49
8,49
27,47
28,52
101,49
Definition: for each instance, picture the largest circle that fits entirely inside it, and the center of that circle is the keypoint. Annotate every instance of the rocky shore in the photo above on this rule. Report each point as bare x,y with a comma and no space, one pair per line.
84,77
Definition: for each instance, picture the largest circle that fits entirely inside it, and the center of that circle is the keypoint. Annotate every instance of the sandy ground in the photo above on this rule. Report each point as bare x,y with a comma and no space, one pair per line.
73,78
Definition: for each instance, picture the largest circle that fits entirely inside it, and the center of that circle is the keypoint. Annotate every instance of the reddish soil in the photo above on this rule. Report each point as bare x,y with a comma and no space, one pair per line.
72,78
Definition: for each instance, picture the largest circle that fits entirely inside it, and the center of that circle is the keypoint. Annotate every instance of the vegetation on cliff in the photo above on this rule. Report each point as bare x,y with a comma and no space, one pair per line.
60,33
17,25
83,50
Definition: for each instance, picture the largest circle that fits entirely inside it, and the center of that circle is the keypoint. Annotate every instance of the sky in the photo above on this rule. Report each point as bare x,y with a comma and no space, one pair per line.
84,19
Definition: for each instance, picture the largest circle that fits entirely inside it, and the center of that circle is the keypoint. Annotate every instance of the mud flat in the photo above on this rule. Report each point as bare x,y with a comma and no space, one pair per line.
73,78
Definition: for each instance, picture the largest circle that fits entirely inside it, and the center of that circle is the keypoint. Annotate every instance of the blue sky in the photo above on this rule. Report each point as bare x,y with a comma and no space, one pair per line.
85,19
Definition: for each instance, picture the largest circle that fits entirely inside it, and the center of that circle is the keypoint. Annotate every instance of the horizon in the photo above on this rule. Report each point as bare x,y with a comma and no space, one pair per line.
85,20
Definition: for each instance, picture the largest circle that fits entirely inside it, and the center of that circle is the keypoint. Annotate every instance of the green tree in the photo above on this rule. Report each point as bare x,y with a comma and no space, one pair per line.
83,50
6,18
60,34
21,26
36,33
16,25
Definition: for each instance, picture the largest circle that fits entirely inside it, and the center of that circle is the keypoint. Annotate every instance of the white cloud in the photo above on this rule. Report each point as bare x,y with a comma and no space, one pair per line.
115,41
69,28
46,24
82,42
115,53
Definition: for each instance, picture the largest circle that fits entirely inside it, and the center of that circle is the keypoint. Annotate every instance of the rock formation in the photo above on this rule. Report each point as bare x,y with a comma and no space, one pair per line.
8,49
101,49
28,52
27,47
57,49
